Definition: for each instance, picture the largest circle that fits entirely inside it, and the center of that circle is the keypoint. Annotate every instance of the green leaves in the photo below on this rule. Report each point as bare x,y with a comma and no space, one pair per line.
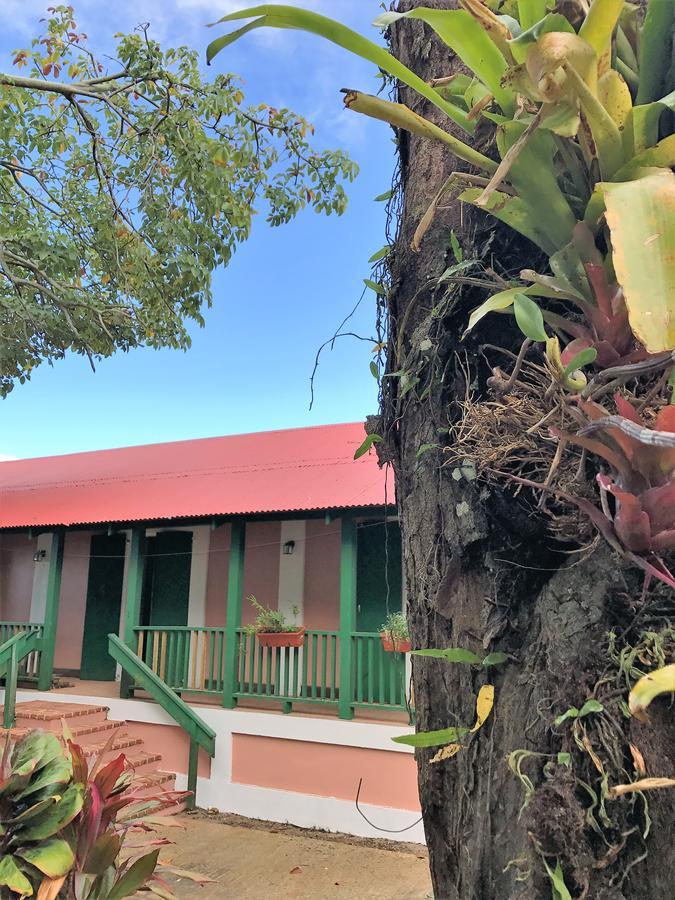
465,36
53,857
280,16
432,738
135,877
12,877
110,235
367,444
460,655
529,318
590,706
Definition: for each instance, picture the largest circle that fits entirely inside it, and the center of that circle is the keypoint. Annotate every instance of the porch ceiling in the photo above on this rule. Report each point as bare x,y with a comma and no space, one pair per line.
268,472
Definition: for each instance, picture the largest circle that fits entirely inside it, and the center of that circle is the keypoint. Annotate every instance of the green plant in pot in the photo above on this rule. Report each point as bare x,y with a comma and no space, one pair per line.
394,633
271,628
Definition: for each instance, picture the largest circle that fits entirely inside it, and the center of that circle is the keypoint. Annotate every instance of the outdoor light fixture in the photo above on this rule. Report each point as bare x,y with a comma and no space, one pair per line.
289,548
39,555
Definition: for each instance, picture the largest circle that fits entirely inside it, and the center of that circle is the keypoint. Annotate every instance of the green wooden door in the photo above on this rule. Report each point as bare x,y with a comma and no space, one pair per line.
378,567
378,592
104,603
166,589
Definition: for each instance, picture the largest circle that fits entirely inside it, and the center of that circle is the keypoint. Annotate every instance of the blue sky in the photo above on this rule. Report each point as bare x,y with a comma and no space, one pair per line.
283,294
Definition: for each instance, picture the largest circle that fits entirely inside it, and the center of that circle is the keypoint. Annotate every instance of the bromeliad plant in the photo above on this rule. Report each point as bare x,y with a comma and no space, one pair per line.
61,830
578,108
579,101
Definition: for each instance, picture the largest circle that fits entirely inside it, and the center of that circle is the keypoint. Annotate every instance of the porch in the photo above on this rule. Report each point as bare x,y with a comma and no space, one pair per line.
176,596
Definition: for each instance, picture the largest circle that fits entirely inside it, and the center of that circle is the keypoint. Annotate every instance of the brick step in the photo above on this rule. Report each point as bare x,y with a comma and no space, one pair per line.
48,716
90,727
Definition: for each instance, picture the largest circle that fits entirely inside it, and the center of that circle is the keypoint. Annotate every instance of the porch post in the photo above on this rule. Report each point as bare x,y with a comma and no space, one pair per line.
347,615
132,608
51,617
235,587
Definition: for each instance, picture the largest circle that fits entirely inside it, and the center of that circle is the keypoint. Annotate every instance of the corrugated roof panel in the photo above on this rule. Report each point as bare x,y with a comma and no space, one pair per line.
268,472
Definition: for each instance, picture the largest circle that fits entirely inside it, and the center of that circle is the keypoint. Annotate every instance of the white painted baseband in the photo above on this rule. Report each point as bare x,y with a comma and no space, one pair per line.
305,810
308,810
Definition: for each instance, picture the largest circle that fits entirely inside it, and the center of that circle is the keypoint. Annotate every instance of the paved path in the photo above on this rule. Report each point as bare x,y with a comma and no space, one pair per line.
286,863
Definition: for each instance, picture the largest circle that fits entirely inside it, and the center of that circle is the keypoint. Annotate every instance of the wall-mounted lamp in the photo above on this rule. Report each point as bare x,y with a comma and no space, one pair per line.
39,555
288,548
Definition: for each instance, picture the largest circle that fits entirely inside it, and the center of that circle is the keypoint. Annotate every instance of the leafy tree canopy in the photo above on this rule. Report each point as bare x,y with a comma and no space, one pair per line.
123,185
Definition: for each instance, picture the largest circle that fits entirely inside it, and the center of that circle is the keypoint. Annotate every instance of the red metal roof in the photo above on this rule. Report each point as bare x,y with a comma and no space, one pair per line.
270,472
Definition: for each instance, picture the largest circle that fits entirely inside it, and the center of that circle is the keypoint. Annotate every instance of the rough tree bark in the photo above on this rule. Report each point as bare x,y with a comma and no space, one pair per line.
482,573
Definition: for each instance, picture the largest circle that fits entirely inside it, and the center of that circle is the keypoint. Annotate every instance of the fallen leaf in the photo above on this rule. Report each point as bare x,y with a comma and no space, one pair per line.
638,760
645,784
296,870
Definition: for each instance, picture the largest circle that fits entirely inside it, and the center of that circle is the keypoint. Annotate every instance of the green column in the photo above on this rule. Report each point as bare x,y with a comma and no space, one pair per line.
132,608
235,588
51,619
347,615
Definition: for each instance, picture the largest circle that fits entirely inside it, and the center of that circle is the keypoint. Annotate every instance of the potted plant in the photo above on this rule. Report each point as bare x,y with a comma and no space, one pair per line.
394,634
271,629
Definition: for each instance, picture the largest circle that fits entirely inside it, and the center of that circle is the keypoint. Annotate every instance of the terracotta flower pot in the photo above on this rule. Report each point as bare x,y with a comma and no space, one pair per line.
282,638
397,645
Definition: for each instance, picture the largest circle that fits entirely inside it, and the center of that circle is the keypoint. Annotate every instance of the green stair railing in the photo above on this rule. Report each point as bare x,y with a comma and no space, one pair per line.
200,734
12,652
30,668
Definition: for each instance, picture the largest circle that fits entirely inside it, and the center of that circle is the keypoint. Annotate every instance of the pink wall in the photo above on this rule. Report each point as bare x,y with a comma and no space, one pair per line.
74,578
261,570
326,770
16,576
172,742
322,575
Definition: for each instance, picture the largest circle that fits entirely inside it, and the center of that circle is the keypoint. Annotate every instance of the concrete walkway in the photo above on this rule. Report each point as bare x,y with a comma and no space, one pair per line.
262,860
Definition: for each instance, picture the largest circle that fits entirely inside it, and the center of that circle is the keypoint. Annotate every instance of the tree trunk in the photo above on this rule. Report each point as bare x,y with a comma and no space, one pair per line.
484,573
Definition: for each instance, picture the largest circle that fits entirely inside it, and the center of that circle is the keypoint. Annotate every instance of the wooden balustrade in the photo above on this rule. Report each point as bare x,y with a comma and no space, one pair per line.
185,658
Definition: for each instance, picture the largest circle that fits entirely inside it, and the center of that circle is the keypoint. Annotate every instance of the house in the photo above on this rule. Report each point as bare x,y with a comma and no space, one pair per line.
124,578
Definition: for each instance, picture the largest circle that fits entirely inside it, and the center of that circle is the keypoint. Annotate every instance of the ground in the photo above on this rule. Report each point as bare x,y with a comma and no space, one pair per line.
252,860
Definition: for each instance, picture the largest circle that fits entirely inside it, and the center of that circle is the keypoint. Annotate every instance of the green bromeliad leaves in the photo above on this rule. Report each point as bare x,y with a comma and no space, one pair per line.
641,219
465,37
271,15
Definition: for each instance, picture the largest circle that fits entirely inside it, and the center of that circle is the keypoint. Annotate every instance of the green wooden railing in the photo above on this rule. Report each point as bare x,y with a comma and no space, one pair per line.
30,666
379,677
194,660
12,653
308,674
185,658
200,734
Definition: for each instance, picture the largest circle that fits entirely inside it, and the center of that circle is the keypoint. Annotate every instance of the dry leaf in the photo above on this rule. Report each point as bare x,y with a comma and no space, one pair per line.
446,753
296,870
638,760
645,784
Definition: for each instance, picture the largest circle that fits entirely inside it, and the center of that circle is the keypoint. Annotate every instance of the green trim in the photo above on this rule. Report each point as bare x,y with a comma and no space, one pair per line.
347,614
180,712
51,611
132,608
11,654
235,587
193,765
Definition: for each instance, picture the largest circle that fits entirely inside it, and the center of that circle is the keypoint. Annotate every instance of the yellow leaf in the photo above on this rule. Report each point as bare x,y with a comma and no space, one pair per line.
638,760
615,96
484,704
660,681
